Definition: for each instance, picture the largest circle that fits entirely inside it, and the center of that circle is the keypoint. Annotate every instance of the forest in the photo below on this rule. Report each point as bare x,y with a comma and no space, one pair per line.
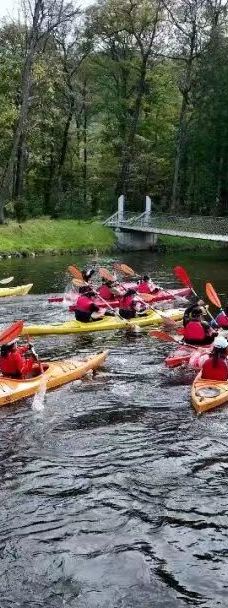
125,97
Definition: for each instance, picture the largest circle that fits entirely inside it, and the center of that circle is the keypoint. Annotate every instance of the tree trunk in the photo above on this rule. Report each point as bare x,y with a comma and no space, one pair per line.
180,140
128,148
20,167
21,129
84,169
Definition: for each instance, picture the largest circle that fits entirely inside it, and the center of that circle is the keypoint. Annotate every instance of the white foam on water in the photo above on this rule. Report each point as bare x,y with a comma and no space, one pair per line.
38,400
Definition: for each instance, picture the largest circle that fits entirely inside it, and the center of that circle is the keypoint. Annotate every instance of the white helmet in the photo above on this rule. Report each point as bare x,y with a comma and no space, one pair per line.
220,342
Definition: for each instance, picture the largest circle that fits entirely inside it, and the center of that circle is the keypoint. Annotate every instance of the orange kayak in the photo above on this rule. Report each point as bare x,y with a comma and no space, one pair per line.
208,394
57,374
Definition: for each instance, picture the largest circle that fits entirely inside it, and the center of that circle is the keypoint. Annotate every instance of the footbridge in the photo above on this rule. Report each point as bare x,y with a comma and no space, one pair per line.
141,230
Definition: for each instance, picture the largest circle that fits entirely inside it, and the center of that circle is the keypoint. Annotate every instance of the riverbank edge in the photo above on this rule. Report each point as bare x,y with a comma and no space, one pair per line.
40,237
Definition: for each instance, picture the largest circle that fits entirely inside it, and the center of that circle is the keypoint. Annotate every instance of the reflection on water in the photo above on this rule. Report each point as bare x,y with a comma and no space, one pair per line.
115,496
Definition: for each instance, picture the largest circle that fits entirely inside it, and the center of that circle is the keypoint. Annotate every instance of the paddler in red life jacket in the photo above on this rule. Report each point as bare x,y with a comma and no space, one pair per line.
199,303
14,364
128,304
215,367
222,318
85,307
146,285
197,331
106,290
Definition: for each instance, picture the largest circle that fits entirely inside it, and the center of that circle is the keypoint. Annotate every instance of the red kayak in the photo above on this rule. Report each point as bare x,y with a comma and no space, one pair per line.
192,356
159,296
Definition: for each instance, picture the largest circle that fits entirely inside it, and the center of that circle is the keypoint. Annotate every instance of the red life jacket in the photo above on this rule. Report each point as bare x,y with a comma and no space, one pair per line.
222,320
105,292
127,303
145,287
194,331
84,303
15,364
218,372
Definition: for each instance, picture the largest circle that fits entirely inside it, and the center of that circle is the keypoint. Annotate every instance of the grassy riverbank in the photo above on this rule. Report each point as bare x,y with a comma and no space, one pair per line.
45,235
171,243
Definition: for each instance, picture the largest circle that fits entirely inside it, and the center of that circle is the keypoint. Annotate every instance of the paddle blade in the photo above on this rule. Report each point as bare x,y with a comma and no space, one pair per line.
75,272
161,335
78,283
125,270
6,281
212,295
11,333
105,274
182,275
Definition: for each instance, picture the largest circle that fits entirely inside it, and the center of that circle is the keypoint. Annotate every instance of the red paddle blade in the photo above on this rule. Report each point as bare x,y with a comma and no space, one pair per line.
182,275
125,269
105,274
75,272
12,332
161,335
212,295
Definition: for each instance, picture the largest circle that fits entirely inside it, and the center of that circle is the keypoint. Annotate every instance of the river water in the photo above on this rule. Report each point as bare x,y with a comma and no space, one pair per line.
116,494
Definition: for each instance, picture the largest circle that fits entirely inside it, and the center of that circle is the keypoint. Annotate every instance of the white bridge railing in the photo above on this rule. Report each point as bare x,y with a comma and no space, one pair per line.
205,227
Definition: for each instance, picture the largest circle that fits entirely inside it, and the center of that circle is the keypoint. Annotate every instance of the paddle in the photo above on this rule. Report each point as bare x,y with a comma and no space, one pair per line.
183,276
38,399
213,296
126,270
164,337
75,272
6,281
11,333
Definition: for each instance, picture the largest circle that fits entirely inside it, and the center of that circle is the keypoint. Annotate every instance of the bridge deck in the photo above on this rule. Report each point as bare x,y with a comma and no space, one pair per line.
195,227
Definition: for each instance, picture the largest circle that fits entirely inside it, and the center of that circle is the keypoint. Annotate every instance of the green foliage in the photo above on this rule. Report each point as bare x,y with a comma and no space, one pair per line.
82,105
47,235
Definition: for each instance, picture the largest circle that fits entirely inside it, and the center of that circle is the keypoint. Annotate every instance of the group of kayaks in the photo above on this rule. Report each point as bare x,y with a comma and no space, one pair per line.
205,394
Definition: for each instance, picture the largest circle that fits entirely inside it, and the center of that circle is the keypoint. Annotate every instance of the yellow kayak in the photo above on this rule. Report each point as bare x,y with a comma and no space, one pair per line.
20,290
208,394
58,373
106,324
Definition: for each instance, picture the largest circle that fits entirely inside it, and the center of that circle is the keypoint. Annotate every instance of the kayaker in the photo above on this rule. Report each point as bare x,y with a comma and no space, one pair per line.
197,331
146,285
130,306
222,318
14,364
215,367
87,274
199,303
85,309
106,290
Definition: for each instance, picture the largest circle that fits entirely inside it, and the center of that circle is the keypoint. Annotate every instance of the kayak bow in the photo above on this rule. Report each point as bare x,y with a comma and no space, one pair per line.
57,374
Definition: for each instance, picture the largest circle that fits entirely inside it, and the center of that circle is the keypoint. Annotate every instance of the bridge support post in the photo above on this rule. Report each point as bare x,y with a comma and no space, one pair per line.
121,209
133,240
148,210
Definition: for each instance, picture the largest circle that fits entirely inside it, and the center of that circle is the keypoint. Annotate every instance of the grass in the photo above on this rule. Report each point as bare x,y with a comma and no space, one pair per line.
44,235
171,243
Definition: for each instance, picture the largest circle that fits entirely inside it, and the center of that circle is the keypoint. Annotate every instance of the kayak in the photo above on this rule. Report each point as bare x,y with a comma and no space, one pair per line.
162,294
57,374
208,394
159,296
188,355
20,290
105,324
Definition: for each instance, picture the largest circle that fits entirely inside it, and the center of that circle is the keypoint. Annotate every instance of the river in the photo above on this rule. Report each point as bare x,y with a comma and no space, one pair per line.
115,495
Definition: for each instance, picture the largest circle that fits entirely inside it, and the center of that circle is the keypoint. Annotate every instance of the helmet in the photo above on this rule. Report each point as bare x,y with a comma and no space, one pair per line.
220,342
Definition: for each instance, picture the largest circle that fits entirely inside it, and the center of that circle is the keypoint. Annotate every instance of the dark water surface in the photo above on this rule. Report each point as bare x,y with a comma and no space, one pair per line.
116,495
